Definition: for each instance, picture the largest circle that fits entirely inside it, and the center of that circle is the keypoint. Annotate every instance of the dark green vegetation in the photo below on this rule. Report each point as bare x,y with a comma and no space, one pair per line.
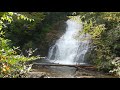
21,35
25,35
104,28
33,34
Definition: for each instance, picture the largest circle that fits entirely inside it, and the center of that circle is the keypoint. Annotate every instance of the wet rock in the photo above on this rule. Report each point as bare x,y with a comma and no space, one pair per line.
37,75
85,77
66,72
91,74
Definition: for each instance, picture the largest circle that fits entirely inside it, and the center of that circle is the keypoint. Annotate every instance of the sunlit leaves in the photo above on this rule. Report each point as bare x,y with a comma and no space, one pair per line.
7,17
0,27
37,16
8,56
116,63
104,29
10,13
97,30
112,16
20,16
11,66
87,26
76,18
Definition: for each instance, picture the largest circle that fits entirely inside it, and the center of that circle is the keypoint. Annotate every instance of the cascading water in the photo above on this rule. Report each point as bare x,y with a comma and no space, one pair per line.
68,49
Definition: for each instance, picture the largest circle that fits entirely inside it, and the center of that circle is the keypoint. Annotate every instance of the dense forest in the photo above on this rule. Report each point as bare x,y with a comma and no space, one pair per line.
26,36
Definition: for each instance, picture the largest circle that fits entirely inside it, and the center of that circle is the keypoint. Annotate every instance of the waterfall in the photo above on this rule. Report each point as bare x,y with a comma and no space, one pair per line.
68,49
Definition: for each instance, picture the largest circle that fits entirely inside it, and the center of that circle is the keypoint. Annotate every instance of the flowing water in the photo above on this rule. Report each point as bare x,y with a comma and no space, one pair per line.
69,49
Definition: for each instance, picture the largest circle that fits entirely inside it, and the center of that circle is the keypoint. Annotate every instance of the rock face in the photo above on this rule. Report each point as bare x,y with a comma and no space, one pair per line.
37,75
66,72
50,37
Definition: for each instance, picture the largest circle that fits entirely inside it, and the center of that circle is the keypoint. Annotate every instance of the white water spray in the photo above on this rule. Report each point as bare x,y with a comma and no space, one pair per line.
68,49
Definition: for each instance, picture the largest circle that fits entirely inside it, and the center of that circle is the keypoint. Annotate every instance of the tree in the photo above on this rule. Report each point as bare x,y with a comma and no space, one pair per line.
10,61
105,32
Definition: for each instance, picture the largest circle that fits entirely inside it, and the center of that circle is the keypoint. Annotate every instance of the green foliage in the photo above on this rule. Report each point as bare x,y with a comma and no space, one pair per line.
10,65
23,31
105,34
116,64
16,29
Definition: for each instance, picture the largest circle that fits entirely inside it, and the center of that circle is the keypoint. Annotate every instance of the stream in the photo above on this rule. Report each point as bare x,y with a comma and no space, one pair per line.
69,49
42,71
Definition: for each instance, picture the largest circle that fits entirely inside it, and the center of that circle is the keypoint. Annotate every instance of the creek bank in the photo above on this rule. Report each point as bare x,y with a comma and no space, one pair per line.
42,71
65,72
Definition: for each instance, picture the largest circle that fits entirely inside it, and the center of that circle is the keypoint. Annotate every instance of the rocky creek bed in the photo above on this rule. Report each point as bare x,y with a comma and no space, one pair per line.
39,71
51,71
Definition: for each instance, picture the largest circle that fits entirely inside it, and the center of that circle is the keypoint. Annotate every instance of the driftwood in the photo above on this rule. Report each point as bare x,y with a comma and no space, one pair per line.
76,66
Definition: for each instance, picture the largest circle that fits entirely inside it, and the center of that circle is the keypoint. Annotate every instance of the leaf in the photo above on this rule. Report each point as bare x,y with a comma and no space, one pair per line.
0,27
22,16
10,13
1,22
18,17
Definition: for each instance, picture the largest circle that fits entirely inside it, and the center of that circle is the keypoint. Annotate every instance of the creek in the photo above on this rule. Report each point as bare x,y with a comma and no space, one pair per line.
69,49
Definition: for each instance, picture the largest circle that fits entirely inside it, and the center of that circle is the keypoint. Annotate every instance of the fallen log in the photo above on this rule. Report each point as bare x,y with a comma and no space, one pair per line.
69,65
